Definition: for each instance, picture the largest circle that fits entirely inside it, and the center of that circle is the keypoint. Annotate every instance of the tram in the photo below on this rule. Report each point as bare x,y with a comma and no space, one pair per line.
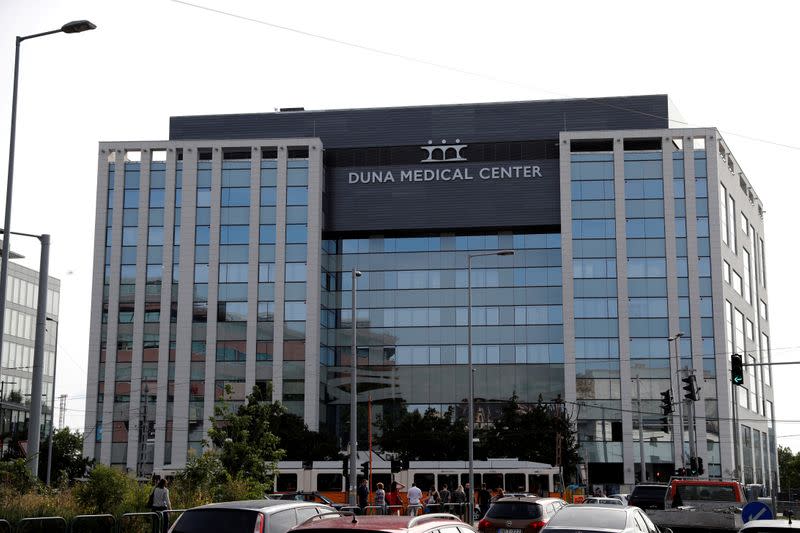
327,477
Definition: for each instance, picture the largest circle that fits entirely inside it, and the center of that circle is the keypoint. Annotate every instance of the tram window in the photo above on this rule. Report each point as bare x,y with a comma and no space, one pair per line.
465,480
329,482
386,479
451,480
424,481
287,482
493,481
515,482
538,484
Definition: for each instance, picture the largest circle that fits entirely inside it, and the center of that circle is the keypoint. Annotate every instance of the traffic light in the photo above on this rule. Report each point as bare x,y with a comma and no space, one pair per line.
690,387
693,464
365,468
700,469
666,402
346,466
666,409
737,369
396,466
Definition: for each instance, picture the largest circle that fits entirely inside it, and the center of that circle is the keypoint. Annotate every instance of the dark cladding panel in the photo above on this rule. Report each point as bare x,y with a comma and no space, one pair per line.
468,195
398,126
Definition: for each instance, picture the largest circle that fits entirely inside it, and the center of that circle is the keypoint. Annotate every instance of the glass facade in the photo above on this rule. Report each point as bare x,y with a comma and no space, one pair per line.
260,296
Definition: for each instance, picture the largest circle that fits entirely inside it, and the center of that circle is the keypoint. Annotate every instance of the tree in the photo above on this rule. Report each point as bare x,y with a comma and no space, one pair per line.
247,446
299,442
105,489
68,460
430,436
789,466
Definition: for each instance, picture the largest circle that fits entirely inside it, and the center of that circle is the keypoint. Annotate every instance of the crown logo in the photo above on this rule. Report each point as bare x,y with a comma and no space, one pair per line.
443,153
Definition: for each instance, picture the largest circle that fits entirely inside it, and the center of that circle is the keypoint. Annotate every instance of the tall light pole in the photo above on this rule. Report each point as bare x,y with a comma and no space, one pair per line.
677,392
353,399
76,26
52,402
470,370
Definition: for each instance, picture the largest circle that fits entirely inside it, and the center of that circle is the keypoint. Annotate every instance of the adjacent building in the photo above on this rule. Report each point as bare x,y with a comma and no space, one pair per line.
16,363
225,256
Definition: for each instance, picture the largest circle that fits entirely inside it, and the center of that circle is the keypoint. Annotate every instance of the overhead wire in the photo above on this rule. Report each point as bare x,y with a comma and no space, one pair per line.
462,71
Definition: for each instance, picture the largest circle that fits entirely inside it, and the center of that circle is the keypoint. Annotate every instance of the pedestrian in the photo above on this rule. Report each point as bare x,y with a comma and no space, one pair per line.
434,500
161,497
414,496
484,497
380,499
499,493
458,499
444,494
363,494
393,500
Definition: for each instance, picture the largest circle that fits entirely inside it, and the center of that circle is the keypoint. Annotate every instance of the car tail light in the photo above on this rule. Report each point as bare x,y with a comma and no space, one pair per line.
259,524
537,525
484,524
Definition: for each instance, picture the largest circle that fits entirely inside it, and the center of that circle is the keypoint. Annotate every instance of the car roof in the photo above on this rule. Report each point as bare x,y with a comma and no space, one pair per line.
258,505
783,524
530,499
390,523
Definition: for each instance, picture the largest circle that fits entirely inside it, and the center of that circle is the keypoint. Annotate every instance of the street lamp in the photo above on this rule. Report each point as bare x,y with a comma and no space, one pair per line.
353,391
676,391
52,401
75,26
471,443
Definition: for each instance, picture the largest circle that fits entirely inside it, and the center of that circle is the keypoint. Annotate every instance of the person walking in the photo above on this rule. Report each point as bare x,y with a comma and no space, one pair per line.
380,499
459,498
393,500
444,494
484,497
363,494
433,502
161,497
414,496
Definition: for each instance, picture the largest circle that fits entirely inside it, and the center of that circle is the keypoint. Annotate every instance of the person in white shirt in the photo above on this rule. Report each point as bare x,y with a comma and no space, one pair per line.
414,495
161,496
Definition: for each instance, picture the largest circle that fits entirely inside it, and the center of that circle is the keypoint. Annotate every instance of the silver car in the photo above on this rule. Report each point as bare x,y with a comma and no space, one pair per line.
261,516
601,519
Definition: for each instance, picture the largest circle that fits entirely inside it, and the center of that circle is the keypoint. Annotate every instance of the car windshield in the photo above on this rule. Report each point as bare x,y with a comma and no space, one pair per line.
589,517
514,510
649,492
712,493
214,520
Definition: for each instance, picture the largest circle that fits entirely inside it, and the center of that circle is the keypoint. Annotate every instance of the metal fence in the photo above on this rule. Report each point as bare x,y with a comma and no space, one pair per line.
93,523
42,524
151,522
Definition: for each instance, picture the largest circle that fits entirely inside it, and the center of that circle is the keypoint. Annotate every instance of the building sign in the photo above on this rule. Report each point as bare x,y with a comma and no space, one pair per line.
444,190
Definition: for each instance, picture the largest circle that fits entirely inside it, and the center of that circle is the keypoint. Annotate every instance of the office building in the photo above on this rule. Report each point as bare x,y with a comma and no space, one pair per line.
16,364
224,256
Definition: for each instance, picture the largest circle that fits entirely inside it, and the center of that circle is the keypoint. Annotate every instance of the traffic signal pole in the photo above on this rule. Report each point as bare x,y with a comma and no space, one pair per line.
643,475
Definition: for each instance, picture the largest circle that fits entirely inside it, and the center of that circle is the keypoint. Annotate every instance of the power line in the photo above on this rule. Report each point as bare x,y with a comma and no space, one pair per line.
457,70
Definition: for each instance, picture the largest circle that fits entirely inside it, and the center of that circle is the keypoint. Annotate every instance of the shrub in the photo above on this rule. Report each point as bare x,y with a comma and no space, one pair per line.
105,490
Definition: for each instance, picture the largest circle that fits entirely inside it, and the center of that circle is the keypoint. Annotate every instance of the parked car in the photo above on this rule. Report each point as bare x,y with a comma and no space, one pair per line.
769,526
594,500
648,496
621,497
426,523
252,516
305,496
519,514
608,519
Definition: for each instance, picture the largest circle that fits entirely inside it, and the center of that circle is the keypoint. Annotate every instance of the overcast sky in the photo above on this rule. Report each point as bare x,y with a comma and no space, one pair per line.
731,65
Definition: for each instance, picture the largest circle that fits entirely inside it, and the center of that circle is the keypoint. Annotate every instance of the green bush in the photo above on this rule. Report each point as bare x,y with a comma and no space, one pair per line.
105,490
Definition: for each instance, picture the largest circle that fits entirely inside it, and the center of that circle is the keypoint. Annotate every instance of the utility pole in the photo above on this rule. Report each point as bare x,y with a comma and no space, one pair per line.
642,468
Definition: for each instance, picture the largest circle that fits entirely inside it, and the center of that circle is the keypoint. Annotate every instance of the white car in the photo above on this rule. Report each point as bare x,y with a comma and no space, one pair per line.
769,526
606,518
621,497
596,500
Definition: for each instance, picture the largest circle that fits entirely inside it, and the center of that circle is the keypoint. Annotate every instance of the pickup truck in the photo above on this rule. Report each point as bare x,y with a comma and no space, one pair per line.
692,504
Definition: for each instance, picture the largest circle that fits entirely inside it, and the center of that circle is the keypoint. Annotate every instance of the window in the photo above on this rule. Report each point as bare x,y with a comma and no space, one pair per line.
726,272
723,213
732,223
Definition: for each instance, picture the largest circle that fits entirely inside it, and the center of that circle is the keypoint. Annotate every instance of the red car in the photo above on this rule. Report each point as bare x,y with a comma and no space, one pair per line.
427,523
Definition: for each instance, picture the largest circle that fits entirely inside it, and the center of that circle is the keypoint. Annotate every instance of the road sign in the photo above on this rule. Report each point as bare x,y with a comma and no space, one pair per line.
756,511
